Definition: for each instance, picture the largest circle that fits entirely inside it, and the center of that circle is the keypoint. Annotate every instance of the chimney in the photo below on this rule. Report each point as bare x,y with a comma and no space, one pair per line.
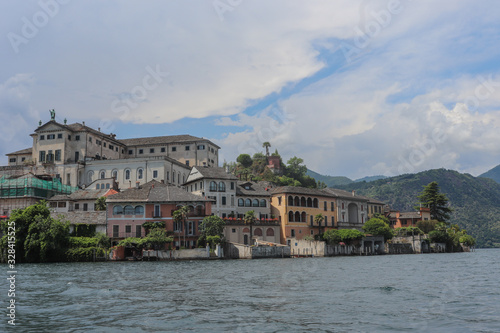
353,192
83,123
99,129
136,184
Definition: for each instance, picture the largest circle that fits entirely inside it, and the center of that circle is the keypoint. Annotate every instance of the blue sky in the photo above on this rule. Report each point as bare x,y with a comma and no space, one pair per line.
355,88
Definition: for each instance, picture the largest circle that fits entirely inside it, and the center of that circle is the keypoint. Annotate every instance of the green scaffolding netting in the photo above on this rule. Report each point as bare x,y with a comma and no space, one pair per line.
32,187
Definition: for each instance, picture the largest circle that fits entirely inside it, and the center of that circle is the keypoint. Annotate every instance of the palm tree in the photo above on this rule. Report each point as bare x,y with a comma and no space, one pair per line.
184,211
318,219
249,219
177,216
266,145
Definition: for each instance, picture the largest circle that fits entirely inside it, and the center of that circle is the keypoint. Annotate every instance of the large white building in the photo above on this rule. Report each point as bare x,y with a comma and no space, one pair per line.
78,155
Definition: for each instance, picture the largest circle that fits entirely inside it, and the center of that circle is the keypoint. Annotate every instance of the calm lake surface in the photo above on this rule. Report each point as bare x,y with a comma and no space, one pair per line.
393,293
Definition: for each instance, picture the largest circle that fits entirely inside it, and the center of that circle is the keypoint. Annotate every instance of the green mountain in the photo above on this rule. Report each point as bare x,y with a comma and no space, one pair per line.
493,174
475,201
330,181
370,178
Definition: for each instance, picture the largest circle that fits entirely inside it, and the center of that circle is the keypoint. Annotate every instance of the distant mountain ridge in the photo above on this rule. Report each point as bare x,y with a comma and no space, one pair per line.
475,200
492,174
332,181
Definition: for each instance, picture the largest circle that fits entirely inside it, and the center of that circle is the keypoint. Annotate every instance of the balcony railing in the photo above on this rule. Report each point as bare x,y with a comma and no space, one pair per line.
240,221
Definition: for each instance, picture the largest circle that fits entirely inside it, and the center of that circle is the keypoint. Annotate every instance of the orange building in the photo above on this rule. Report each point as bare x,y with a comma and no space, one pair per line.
296,208
408,219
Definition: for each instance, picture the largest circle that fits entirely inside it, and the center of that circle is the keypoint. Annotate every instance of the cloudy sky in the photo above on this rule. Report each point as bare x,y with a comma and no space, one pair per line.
355,88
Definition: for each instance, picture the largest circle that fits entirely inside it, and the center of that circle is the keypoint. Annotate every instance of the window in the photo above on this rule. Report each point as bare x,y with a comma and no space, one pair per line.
59,135
50,156
201,147
12,159
102,175
232,185
77,138
279,201
23,159
157,212
116,230
223,201
127,174
138,230
213,186
162,149
107,186
42,137
104,144
263,203
139,210
248,203
141,151
130,152
97,186
333,221
293,232
85,207
174,148
90,139
51,136
187,162
241,202
155,173
128,210
111,147
151,150
140,173
325,207
255,203
77,206
98,142
114,174
188,147
128,229
69,137
233,230
332,206
312,232
222,187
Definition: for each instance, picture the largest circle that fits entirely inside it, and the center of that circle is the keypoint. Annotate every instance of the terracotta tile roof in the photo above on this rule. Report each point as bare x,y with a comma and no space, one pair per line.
214,173
261,189
83,195
74,217
303,191
154,191
22,151
158,140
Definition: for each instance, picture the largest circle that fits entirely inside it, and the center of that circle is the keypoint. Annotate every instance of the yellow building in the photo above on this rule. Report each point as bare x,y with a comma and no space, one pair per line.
296,208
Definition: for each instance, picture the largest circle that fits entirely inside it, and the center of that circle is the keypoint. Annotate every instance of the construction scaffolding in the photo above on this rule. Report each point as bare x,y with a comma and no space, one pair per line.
24,190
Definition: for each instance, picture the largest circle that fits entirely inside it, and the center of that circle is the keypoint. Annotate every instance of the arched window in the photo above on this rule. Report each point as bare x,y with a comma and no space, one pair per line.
303,217
309,202
127,174
173,176
114,174
263,203
213,186
270,232
248,203
241,202
303,202
102,174
290,216
222,187
296,201
255,203
117,210
246,230
315,203
139,210
128,210
297,217
290,200
97,186
257,232
140,173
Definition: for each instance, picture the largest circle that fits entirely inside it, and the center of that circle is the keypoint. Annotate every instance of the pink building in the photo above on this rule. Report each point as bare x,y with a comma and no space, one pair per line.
151,202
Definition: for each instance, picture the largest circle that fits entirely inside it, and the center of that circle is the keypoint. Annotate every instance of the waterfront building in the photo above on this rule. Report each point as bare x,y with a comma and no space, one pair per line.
216,184
296,208
352,209
155,202
78,155
408,219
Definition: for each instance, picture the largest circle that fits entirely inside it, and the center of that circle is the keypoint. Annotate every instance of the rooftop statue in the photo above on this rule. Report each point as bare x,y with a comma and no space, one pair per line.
52,114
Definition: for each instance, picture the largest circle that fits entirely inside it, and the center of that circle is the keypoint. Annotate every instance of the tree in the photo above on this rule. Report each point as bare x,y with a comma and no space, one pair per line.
249,219
100,203
212,226
318,219
156,239
434,200
266,145
350,236
179,217
38,237
468,240
427,225
332,236
377,227
245,160
295,169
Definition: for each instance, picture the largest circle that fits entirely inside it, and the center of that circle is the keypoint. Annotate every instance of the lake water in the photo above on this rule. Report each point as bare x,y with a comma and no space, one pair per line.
457,292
